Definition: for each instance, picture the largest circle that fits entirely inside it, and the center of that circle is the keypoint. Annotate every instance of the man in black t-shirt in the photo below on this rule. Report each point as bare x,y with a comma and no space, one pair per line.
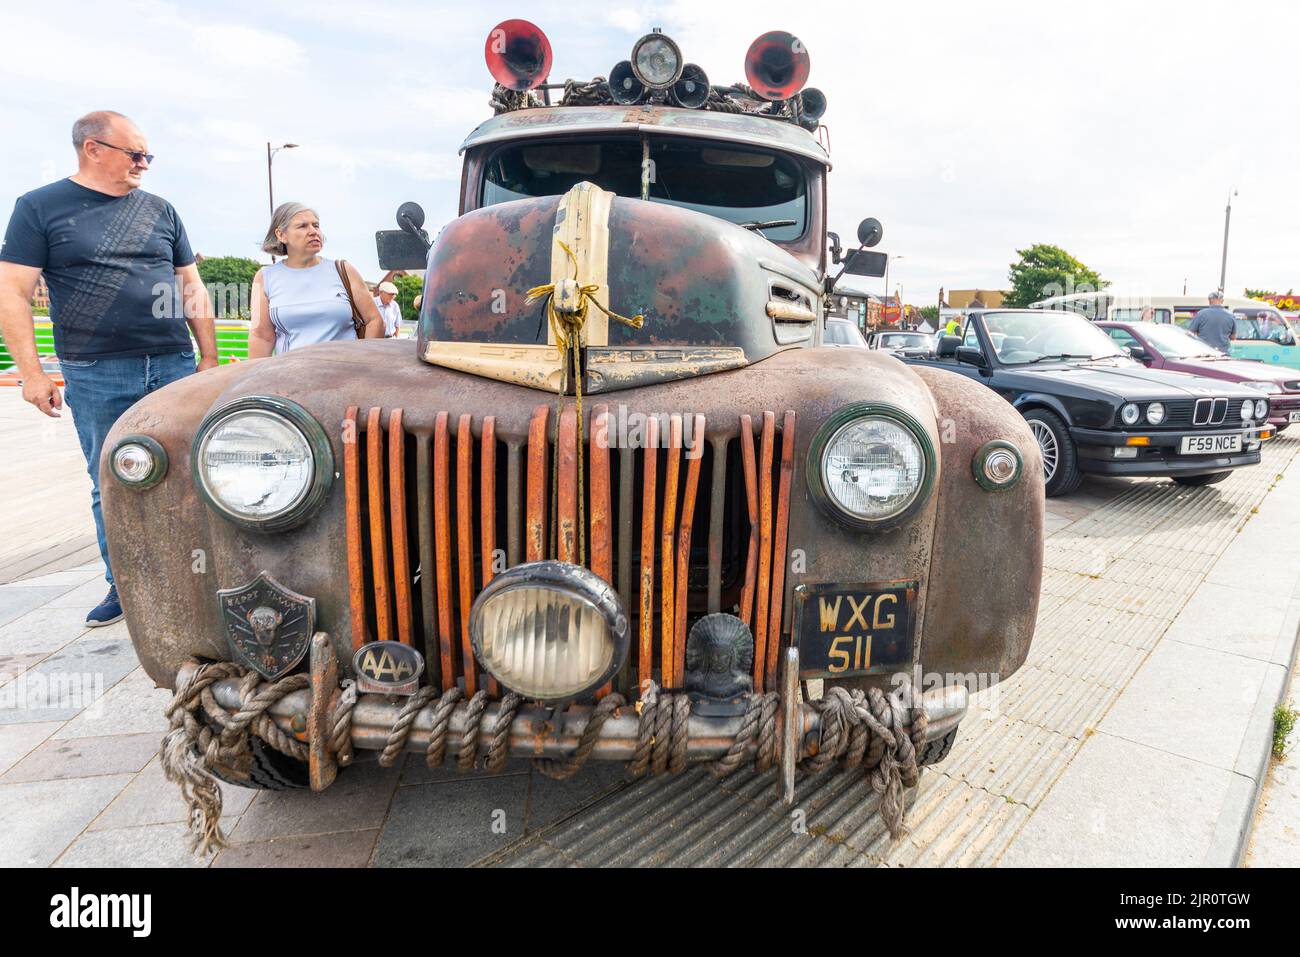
123,288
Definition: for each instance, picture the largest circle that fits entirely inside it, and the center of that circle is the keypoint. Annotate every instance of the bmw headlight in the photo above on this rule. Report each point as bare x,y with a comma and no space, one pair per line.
549,630
1261,409
871,465
263,462
1248,410
1156,413
1129,414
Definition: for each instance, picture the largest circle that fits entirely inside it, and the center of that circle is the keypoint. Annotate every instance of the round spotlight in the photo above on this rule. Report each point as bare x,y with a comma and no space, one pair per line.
138,461
624,87
997,465
656,61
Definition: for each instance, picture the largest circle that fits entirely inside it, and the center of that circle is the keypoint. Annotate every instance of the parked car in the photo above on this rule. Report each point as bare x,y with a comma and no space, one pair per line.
1094,409
841,332
901,342
1170,347
510,530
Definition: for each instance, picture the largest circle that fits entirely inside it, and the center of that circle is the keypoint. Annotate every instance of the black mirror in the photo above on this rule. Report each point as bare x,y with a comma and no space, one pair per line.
1138,353
971,355
863,262
870,232
837,251
410,217
947,347
399,249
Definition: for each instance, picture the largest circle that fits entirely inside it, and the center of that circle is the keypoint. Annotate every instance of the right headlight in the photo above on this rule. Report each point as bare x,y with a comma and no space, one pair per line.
263,462
1156,413
1248,409
1261,409
871,465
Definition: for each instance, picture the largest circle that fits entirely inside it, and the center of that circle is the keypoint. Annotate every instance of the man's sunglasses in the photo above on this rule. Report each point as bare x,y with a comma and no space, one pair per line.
136,155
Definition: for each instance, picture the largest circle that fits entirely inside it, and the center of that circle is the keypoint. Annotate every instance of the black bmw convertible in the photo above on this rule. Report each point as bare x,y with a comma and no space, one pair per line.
1094,409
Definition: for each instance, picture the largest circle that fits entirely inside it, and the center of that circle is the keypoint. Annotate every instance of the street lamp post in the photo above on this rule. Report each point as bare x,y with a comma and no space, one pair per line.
270,188
1227,219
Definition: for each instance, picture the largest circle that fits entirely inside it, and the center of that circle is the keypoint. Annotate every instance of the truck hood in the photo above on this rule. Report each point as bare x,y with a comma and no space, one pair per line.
714,295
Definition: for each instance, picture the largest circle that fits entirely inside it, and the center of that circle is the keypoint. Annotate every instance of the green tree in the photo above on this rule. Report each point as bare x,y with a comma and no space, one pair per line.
929,313
1045,271
408,287
1261,293
229,280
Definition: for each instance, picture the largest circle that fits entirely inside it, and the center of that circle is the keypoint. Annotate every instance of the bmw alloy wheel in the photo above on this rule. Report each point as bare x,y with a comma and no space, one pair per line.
1047,446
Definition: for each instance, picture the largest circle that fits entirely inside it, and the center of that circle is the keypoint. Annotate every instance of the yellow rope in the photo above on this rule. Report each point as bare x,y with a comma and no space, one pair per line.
567,326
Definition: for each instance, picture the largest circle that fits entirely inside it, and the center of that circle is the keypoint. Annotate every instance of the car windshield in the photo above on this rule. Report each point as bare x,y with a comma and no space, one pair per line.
843,334
1021,338
740,184
1262,324
1176,343
904,340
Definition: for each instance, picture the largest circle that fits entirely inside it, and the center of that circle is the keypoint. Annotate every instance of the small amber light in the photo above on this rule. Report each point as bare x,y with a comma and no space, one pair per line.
1139,440
1266,434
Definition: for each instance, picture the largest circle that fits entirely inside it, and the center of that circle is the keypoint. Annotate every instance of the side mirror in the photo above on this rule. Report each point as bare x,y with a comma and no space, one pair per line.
870,232
1140,354
410,217
406,247
947,347
864,262
971,356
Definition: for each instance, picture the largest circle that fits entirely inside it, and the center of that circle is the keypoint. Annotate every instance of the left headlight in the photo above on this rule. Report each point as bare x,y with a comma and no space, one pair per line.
138,461
263,462
549,630
871,465
1261,409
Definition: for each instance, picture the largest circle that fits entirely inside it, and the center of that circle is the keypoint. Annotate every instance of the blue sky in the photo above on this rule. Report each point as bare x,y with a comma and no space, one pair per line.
1112,129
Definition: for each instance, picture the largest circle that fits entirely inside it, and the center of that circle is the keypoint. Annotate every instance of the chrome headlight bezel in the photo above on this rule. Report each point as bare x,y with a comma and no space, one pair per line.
158,468
1129,413
322,477
568,579
638,68
831,428
979,465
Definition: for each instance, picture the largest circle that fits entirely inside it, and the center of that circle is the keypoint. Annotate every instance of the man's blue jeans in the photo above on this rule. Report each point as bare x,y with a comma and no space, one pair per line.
98,391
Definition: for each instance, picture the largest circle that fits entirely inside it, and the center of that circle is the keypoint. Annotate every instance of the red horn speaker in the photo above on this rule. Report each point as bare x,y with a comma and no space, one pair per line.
518,54
776,65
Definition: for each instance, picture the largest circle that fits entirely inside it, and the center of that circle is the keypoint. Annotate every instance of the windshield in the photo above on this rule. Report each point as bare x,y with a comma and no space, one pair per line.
904,340
1263,324
843,334
1020,338
1176,343
737,183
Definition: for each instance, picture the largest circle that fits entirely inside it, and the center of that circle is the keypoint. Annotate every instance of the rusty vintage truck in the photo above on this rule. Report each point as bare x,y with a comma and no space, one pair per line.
616,501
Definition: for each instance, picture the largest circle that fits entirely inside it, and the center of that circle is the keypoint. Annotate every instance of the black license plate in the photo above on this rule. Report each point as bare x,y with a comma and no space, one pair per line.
854,629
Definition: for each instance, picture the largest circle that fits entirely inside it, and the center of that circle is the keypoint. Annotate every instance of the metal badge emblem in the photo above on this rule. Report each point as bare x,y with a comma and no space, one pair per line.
269,626
387,667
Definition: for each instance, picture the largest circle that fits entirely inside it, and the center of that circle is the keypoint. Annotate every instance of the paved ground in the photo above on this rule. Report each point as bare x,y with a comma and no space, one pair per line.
1134,735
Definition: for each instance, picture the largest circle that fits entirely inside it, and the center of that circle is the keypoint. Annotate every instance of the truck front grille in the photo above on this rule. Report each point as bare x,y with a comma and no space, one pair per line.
434,513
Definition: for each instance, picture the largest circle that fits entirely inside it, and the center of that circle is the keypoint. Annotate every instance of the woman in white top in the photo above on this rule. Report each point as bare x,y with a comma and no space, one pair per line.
300,300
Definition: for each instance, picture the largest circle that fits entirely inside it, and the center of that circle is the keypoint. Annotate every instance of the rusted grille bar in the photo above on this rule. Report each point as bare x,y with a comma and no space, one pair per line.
378,544
442,547
488,511
397,521
535,532
764,542
717,512
566,508
465,542
779,549
352,508
514,504
751,503
602,555
684,548
668,583
645,661
424,516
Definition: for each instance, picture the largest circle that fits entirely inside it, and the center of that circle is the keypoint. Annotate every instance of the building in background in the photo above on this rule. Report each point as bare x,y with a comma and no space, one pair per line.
958,301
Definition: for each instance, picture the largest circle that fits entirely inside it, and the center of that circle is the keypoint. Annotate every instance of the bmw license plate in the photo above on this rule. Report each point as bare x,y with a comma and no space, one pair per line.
1293,416
854,629
1210,444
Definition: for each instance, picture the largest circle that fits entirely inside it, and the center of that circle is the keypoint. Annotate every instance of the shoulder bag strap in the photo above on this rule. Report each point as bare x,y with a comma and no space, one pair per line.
358,324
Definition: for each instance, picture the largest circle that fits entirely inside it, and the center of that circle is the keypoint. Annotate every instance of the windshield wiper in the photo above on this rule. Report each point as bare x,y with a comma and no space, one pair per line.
758,225
1062,356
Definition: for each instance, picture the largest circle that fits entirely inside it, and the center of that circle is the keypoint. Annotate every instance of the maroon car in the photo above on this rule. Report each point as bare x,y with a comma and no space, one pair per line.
1163,346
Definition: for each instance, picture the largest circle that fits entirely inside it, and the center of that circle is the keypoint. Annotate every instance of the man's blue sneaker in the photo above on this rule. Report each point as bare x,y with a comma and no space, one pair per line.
107,611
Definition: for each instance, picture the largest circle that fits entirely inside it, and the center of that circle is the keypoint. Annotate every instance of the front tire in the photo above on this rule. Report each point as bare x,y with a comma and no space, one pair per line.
265,769
1196,481
1061,474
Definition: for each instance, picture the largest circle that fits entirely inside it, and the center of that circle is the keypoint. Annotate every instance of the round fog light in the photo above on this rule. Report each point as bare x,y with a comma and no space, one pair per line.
549,630
997,465
138,461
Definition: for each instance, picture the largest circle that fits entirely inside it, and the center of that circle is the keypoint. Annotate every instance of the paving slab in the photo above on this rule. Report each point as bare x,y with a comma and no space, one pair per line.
358,800
155,845
40,818
59,759
453,824
132,706
1124,804
74,679
19,740
16,601
1251,623
44,629
151,799
347,849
